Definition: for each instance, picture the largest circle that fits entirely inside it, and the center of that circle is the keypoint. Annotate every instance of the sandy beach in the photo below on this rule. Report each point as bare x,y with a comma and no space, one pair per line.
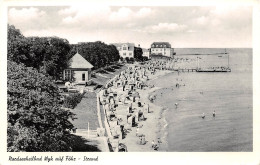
150,127
155,123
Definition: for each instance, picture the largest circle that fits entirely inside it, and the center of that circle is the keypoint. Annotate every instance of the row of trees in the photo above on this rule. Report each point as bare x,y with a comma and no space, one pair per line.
97,53
51,54
46,54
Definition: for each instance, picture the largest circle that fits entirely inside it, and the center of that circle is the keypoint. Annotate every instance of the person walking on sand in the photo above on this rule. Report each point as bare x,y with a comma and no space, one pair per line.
214,113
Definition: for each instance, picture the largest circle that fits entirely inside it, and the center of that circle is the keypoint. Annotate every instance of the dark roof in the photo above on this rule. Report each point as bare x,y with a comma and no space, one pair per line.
160,45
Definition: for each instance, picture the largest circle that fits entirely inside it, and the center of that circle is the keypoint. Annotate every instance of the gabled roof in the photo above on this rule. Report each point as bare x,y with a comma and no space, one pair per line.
130,45
160,45
77,61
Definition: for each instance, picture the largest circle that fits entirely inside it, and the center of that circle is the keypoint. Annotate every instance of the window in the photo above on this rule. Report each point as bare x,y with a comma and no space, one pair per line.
124,48
161,49
124,54
130,54
83,76
67,75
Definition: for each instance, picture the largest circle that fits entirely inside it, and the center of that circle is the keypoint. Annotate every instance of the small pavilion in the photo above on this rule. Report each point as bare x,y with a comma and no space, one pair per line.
79,71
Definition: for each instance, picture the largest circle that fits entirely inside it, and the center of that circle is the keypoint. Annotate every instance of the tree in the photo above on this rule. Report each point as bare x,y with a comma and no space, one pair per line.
138,54
36,121
121,59
48,54
97,53
17,46
13,33
131,60
145,58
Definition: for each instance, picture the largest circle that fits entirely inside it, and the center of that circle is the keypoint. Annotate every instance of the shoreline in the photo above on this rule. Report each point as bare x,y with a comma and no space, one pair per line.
161,131
155,125
158,117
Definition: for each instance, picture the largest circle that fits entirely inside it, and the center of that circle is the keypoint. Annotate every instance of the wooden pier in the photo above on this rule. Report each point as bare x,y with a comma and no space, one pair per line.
214,70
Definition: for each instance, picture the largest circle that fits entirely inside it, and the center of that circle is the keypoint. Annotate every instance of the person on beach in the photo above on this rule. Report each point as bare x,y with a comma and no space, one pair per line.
203,116
176,105
214,113
154,146
159,141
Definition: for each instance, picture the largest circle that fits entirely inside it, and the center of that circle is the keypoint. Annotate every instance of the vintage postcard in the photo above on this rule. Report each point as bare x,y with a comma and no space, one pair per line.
165,82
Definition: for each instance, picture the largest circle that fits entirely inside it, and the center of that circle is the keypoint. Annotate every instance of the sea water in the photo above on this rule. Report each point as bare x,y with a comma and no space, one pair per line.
229,94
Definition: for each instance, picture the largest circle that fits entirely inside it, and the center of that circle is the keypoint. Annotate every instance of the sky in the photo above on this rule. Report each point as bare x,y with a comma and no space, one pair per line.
181,26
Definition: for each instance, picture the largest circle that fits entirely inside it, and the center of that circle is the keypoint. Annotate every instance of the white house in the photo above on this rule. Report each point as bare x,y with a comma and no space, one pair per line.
162,48
79,70
125,49
146,53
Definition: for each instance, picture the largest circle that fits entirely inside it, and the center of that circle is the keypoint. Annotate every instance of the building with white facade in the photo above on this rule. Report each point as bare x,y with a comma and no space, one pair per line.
162,48
146,53
125,49
79,70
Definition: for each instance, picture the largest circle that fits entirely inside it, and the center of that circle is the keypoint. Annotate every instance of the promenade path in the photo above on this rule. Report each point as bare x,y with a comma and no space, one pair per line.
92,140
87,115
